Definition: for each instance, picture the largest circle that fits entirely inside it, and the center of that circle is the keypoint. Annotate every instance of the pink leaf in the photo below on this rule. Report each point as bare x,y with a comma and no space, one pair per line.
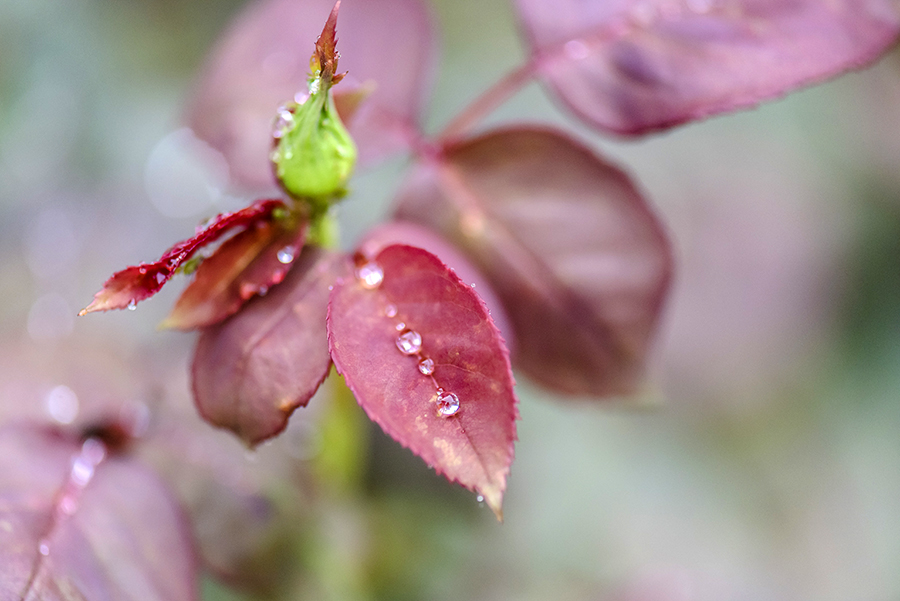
133,284
251,371
419,350
245,265
577,257
75,526
633,66
263,62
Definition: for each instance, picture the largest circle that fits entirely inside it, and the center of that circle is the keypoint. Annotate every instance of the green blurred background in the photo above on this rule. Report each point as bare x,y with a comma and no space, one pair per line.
764,459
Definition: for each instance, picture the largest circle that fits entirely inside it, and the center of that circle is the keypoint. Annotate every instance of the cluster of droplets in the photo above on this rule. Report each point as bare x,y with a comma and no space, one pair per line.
409,342
93,452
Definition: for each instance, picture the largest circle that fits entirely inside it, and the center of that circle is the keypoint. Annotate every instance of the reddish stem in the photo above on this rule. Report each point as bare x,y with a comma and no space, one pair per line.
493,97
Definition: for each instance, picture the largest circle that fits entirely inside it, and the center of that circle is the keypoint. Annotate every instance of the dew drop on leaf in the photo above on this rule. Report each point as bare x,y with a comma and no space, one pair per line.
286,255
448,404
426,366
409,342
370,275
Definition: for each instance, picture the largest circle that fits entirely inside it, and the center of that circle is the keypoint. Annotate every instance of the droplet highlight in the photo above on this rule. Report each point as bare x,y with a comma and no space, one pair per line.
284,122
370,275
426,366
286,255
447,404
409,342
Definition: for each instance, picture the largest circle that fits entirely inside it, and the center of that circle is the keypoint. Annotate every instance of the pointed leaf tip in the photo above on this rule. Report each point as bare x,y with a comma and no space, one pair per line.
420,352
324,60
133,284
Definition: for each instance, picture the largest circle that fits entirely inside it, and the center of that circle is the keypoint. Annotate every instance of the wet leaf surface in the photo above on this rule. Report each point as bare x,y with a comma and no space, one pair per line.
245,265
133,284
419,351
577,257
77,526
251,371
633,66
262,63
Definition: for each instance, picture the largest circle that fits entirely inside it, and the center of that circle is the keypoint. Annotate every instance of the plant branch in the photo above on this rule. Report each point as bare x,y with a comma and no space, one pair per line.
489,100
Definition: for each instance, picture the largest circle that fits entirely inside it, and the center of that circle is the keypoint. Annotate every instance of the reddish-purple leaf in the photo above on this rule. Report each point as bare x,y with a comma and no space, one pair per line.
76,526
263,62
251,371
633,66
411,234
240,527
245,265
133,284
419,350
575,254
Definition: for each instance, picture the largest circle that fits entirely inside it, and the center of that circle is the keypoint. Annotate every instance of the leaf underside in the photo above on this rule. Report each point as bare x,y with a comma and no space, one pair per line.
253,370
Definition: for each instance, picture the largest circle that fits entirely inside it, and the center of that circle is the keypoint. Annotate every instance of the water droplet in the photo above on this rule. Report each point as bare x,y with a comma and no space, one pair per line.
132,305
82,472
370,275
160,277
390,310
576,50
400,326
283,123
480,498
247,290
330,287
68,505
44,549
142,270
286,254
62,404
262,290
426,366
409,342
448,404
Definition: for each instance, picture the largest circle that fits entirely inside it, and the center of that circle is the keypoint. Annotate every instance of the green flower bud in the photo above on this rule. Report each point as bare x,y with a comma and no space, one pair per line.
314,154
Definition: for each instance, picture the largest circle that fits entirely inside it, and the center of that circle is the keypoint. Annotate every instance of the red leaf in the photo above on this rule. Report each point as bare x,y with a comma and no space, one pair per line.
245,265
445,329
251,371
133,284
575,254
262,63
633,66
75,527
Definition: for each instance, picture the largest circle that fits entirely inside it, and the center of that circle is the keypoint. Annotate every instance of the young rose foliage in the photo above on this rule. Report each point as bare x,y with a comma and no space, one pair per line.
78,521
635,66
578,260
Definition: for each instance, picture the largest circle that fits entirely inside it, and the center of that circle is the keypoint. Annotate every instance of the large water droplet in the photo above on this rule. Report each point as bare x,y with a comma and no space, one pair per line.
283,123
447,403
409,342
62,404
286,255
576,50
132,305
390,311
426,366
370,275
